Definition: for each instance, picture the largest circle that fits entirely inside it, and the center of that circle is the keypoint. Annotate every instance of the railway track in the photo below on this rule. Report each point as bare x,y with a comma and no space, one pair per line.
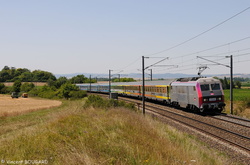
233,119
229,130
233,133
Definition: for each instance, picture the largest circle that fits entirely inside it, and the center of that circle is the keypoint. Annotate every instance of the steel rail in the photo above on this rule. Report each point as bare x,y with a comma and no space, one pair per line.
242,125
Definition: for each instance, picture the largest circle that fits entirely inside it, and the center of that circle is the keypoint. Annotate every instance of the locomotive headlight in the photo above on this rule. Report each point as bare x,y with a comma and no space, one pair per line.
219,98
205,100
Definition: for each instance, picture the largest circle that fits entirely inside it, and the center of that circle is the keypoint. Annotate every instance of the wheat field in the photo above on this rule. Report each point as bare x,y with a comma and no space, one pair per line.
9,106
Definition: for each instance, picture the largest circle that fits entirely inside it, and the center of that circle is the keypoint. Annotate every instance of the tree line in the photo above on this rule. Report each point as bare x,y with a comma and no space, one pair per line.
61,87
236,82
23,79
11,74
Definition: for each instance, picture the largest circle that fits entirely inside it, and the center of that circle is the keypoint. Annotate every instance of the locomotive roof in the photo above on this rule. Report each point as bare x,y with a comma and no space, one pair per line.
197,79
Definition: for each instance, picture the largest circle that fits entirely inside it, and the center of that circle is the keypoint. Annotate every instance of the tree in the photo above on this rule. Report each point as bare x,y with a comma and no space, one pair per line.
6,68
66,89
2,86
42,76
19,71
78,79
238,83
123,80
17,86
26,87
25,77
60,81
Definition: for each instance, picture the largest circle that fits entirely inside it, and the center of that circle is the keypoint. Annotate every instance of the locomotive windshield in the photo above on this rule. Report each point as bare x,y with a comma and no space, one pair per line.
215,86
206,87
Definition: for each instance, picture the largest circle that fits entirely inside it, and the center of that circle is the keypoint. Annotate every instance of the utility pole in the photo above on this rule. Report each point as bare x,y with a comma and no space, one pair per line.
143,78
110,83
90,83
231,83
143,86
151,74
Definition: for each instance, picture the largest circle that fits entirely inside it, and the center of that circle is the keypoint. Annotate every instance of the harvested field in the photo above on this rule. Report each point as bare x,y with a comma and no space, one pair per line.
9,84
9,106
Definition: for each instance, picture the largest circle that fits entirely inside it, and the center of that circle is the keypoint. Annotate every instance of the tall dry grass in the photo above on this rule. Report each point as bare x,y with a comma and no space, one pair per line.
72,134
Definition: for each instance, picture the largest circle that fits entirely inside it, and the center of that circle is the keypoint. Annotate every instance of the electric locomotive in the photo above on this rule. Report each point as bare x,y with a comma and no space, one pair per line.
198,94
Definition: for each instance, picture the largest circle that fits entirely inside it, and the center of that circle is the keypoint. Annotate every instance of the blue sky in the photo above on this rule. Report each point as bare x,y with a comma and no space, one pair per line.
94,36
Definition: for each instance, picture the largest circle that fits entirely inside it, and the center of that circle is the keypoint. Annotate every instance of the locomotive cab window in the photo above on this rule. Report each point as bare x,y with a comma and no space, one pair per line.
215,86
205,87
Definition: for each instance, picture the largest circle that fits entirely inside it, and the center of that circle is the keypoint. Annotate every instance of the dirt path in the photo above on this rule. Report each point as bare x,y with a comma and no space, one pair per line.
9,106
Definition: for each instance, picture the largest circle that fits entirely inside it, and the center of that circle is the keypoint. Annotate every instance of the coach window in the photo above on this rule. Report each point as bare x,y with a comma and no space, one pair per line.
194,88
160,89
164,90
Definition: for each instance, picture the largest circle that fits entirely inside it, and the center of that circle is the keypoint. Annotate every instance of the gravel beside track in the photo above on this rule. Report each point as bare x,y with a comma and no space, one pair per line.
234,119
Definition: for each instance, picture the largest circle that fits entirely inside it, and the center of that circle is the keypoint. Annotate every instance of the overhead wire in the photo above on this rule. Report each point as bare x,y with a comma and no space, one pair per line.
192,38
215,47
216,55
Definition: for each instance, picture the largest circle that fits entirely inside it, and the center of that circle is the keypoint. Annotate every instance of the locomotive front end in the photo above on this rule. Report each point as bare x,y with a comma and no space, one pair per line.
211,95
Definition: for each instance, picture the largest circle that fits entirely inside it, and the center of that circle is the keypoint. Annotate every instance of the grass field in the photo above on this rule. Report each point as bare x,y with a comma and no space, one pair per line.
241,98
238,94
71,134
246,84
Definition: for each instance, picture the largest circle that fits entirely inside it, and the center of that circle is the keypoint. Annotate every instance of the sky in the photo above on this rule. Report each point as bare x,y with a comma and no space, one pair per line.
95,36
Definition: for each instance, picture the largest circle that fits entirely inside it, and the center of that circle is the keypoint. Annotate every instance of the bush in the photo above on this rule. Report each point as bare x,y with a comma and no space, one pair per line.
65,90
98,102
77,94
2,86
44,92
6,90
26,87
